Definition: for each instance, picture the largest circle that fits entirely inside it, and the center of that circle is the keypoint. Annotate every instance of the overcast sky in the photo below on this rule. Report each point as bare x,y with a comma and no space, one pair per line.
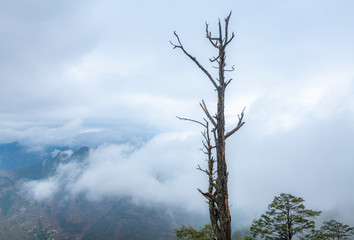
100,73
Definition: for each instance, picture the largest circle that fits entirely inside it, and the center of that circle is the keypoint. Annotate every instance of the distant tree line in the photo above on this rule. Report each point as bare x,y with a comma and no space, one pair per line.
285,218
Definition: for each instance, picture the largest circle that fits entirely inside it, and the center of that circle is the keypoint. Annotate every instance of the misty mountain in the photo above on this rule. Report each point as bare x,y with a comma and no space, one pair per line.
66,217
15,155
47,168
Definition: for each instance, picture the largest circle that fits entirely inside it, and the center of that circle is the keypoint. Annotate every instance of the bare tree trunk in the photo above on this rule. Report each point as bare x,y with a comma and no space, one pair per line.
222,174
217,194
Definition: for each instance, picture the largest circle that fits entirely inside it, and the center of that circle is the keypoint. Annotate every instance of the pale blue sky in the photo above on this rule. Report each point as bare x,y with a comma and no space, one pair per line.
99,72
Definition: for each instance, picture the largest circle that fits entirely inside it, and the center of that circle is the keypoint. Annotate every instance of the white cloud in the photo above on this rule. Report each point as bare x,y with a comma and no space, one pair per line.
43,189
163,171
318,96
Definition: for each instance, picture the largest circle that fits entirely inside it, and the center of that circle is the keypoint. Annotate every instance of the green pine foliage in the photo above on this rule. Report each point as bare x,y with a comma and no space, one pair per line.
286,217
336,230
189,233
331,230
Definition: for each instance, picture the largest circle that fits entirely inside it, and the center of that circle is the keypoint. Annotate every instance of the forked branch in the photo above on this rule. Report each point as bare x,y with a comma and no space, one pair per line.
211,39
227,41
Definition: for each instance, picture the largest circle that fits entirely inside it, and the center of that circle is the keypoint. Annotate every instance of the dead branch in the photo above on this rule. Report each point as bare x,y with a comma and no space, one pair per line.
232,37
227,26
230,70
191,120
227,19
220,34
205,109
193,59
228,82
239,124
203,170
211,39
214,59
207,195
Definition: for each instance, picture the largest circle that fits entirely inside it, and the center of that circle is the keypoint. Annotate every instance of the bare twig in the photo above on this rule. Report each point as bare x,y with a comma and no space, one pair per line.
191,120
228,82
214,59
203,170
232,37
230,70
239,124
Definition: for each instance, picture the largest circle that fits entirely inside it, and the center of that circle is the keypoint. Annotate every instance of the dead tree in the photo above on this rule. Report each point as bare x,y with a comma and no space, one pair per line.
214,132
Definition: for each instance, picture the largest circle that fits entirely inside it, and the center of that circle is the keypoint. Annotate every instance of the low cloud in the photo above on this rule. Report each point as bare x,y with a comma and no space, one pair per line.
162,171
42,189
35,136
307,161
